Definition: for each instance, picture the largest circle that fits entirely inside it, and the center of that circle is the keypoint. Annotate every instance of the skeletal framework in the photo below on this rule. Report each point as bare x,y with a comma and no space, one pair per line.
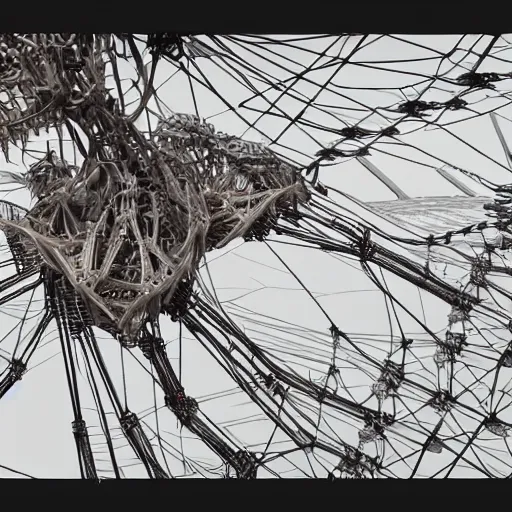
122,243
126,238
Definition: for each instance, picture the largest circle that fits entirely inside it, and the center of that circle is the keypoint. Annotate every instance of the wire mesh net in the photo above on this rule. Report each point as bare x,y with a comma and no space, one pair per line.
255,256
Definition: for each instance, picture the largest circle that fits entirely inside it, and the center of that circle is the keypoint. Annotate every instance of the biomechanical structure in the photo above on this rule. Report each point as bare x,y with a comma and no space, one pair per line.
118,242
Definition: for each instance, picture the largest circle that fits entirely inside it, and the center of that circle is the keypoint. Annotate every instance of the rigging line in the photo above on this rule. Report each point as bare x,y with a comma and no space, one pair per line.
17,472
296,80
100,409
132,430
18,341
485,53
322,88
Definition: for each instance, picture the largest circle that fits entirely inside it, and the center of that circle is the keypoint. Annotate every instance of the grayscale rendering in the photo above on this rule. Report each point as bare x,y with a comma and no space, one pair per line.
255,256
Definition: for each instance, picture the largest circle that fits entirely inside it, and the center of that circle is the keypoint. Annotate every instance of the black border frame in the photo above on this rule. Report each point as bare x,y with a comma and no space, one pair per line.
290,17
260,17
264,495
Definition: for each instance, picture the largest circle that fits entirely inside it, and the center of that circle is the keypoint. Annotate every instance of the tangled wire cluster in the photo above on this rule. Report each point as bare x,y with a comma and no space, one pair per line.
124,242
132,225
